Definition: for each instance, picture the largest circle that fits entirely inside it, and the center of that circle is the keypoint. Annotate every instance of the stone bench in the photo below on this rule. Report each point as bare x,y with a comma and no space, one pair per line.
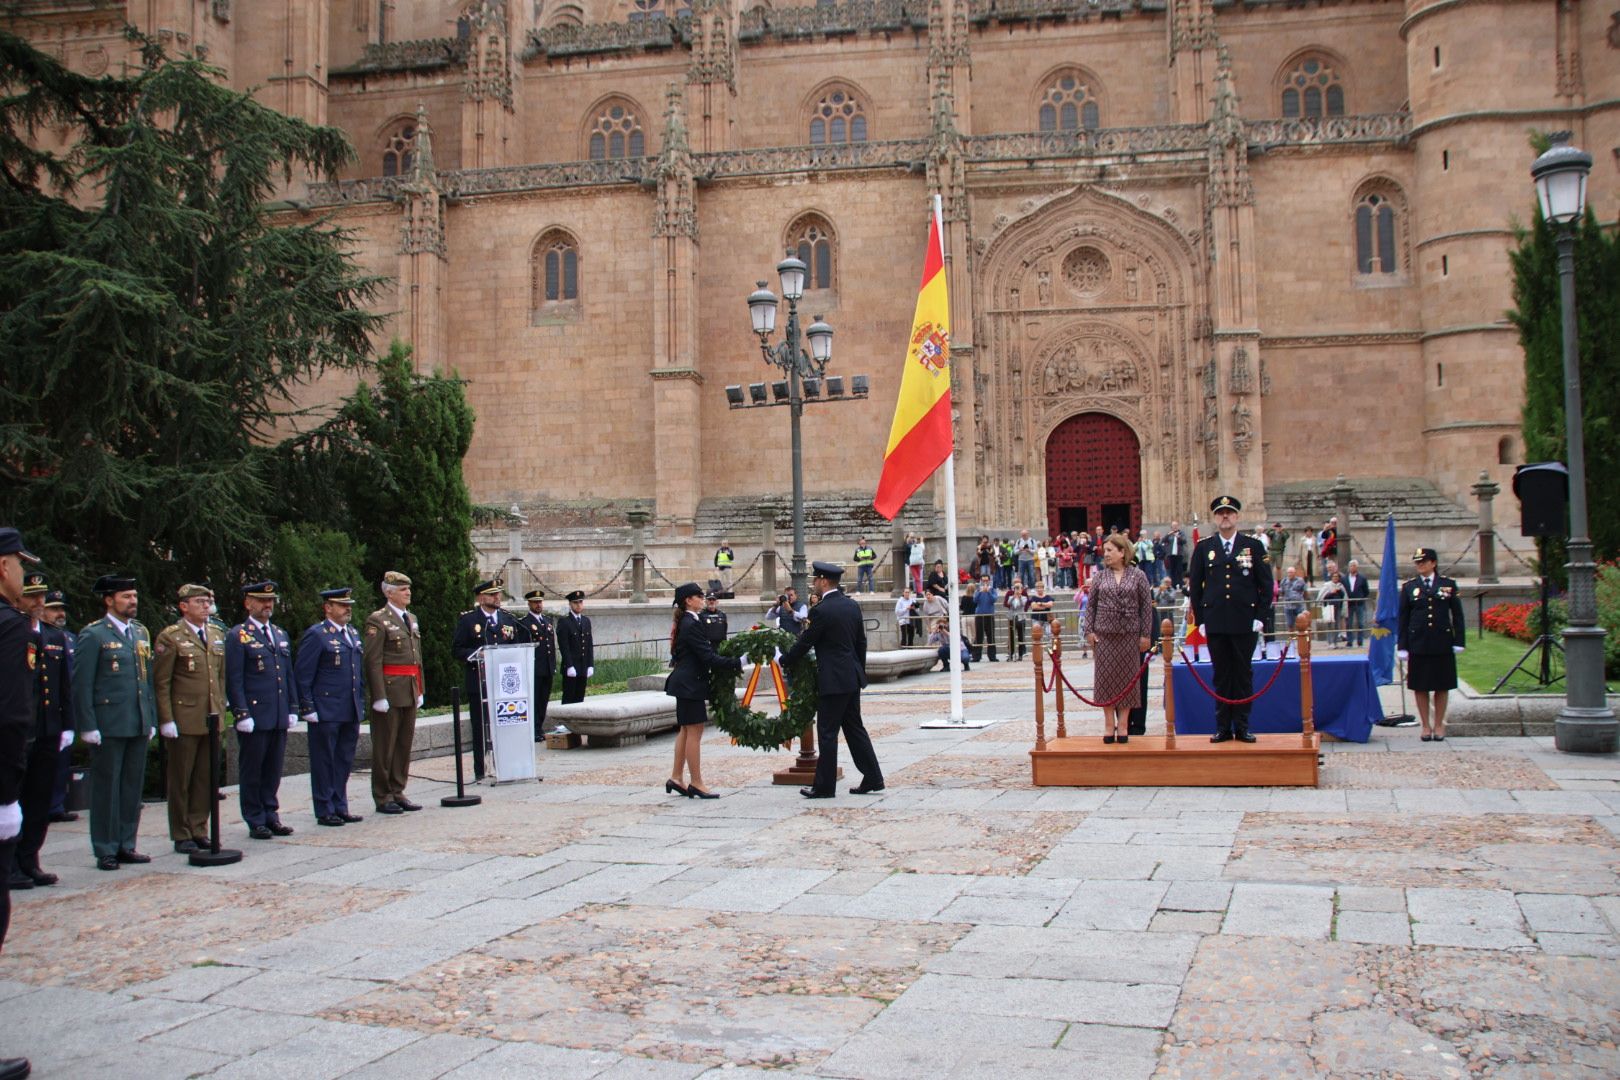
887,664
618,719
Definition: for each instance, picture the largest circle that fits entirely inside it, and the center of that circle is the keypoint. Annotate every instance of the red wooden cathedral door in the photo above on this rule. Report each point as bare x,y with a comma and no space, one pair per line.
1093,474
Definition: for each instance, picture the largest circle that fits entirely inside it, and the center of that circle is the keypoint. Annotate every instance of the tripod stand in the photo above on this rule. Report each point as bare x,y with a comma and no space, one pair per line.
1545,643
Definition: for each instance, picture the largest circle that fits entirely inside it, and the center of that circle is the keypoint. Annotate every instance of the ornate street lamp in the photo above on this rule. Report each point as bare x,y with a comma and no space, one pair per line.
1585,724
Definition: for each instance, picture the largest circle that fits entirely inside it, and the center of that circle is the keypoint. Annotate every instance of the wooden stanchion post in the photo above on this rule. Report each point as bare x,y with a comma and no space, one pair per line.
1057,677
1167,641
1040,690
1307,700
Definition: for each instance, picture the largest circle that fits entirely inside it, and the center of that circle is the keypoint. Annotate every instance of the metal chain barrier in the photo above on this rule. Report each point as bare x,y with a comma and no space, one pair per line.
1526,563
1454,563
654,568
1256,696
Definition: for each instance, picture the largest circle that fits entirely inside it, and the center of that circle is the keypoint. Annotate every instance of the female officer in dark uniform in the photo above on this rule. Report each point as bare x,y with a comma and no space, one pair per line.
688,684
1430,634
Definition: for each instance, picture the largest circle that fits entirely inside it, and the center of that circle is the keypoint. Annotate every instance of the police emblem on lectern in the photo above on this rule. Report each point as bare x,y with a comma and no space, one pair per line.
511,679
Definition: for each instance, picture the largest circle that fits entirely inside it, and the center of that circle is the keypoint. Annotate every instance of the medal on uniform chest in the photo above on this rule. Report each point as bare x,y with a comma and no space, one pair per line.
261,663
115,665
337,655
191,663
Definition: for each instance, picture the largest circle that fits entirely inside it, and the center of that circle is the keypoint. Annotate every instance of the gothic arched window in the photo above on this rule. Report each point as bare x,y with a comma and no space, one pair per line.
811,239
399,148
1312,88
1069,103
554,274
837,117
1380,228
616,133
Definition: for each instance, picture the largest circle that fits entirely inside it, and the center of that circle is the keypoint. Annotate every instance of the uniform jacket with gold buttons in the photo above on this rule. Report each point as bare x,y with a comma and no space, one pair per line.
259,675
112,681
1229,592
188,679
1431,617
389,642
53,682
331,674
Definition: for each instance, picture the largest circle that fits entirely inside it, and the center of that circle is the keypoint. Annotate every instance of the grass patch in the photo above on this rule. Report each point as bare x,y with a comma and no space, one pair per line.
612,676
1490,655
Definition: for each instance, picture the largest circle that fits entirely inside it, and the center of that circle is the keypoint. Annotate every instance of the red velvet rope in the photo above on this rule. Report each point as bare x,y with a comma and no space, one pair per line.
1256,696
1057,674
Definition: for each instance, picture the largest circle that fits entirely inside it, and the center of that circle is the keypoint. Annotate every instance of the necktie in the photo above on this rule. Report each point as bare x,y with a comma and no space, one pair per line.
202,634
1227,544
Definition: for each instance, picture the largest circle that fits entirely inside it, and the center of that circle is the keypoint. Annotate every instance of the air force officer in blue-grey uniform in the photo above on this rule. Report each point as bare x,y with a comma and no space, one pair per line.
331,675
259,688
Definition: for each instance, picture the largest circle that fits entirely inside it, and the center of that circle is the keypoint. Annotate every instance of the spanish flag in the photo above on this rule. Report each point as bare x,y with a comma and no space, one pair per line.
920,437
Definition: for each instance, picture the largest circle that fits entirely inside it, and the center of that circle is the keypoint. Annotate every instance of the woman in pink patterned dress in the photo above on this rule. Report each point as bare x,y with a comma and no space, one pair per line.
1118,622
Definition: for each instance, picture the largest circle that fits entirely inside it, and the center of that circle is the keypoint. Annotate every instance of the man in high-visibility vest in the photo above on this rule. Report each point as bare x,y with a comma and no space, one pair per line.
865,564
723,558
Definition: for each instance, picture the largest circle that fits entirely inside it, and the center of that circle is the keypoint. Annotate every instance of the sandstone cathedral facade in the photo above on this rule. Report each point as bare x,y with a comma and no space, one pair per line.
1192,245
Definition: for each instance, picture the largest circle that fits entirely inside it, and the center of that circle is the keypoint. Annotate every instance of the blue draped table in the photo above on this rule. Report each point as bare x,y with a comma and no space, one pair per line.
1342,687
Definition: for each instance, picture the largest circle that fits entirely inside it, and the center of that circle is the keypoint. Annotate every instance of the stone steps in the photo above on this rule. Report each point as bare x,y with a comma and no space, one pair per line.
1416,504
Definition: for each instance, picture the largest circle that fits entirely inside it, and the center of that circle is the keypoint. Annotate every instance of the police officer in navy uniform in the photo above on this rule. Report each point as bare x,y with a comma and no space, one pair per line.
260,689
538,626
488,624
714,622
1231,600
1430,633
56,615
837,631
16,727
53,674
330,674
575,652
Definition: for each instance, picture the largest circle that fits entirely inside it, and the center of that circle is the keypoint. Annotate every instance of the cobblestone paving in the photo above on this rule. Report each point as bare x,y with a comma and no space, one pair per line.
1433,910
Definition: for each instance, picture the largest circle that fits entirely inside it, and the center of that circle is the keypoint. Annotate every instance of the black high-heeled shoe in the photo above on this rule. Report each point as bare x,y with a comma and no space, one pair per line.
696,792
672,788
1108,740
1123,739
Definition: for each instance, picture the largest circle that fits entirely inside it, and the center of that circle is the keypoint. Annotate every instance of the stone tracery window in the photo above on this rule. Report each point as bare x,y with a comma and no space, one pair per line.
1312,89
811,239
399,148
1069,103
1380,229
554,275
616,133
838,117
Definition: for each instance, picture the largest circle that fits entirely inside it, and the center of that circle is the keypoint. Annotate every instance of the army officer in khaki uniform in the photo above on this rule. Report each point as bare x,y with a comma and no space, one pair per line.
188,680
393,653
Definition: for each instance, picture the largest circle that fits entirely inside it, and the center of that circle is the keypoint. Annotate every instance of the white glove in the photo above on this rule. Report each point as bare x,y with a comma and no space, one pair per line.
67,741
310,718
245,726
1456,648
292,719
418,701
151,733
10,821
380,705
170,731
589,672
93,738
1258,626
1401,653
569,673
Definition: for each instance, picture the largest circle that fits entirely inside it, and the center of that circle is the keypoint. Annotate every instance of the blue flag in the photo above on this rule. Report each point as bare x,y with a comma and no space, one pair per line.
1381,649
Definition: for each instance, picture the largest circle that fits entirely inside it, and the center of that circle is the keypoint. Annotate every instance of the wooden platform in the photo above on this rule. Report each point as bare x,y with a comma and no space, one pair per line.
1271,761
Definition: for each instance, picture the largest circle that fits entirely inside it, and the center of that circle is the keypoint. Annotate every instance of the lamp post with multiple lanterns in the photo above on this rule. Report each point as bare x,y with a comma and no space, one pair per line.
1585,724
806,380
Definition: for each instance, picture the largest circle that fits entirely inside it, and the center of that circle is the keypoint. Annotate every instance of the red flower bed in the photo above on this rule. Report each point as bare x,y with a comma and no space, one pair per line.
1512,620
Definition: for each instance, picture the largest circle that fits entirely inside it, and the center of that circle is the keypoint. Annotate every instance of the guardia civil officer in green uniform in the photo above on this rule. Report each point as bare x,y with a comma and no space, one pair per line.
538,626
115,711
188,681
1231,599
1429,635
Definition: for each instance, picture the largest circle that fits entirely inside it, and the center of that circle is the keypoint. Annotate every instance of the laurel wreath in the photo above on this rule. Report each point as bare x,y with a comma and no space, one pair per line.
748,727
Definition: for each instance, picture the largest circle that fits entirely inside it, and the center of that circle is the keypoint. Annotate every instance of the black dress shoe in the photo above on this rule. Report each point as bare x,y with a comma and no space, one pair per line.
406,804
14,1069
279,829
1221,736
19,880
812,793
133,857
1244,736
390,808
329,819
259,832
40,877
64,815
185,847
351,819
866,789
107,862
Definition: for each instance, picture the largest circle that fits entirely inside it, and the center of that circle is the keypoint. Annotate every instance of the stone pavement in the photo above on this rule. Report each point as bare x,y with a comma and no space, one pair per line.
1433,910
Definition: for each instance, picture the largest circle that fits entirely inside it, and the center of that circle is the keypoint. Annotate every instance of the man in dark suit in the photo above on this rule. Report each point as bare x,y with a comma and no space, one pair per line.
486,625
1175,553
53,673
1231,600
575,652
17,656
260,689
540,631
1357,590
330,674
1429,634
837,632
